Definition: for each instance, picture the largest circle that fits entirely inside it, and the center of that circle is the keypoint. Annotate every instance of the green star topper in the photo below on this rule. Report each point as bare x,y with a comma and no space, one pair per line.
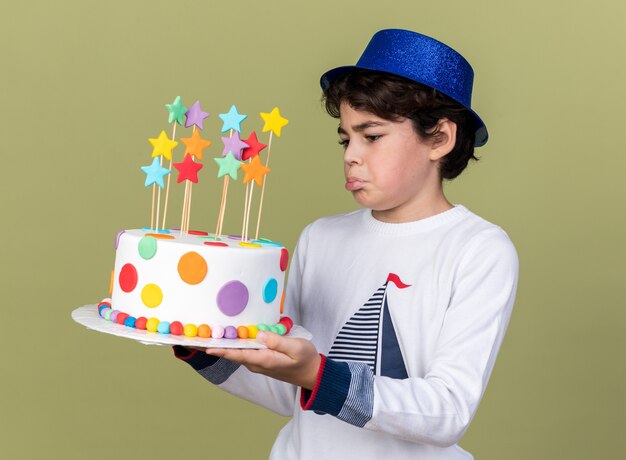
176,111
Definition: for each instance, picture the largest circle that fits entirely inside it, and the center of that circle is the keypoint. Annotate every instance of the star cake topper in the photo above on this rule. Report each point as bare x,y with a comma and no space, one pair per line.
195,144
176,111
273,121
254,148
233,144
254,170
228,165
188,170
232,119
195,115
155,173
163,145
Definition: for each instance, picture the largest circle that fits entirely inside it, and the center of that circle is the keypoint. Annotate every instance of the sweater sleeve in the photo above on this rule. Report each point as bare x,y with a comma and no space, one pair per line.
277,396
438,407
271,394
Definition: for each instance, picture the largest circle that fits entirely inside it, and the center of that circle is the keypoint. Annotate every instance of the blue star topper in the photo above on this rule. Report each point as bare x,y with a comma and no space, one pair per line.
232,119
155,173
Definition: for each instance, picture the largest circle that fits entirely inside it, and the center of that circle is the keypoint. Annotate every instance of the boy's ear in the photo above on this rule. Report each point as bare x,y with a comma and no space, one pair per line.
445,139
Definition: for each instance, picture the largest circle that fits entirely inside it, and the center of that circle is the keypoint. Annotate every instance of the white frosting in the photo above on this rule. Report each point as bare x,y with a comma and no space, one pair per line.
197,303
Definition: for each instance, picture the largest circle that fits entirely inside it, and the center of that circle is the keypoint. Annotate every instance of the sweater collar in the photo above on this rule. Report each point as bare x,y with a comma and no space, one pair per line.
419,226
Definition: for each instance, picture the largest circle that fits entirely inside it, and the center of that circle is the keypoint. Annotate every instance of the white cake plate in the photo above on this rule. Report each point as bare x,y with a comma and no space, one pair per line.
88,316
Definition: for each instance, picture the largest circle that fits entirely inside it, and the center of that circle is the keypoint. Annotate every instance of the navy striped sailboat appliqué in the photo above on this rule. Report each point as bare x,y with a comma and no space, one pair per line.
369,336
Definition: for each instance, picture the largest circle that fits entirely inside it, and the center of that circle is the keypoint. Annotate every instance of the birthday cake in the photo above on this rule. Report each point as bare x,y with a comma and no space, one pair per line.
192,283
195,285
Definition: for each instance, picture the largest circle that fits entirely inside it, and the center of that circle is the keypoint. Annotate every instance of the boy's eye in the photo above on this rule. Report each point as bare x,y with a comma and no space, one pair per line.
344,142
373,138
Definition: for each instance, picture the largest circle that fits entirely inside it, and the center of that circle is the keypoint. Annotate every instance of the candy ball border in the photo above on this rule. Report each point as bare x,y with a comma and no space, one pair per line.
105,310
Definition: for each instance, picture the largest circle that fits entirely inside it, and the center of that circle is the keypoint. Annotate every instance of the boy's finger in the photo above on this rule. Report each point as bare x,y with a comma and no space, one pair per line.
226,353
276,342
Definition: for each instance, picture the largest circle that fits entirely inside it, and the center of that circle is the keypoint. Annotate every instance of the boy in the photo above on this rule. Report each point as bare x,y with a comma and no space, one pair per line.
408,299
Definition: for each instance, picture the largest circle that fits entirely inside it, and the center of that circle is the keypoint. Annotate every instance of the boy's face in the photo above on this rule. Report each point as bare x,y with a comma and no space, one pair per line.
388,168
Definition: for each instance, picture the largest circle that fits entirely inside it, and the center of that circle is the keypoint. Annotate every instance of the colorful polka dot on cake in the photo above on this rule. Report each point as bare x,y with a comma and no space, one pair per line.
160,236
232,298
216,243
151,295
192,268
245,244
128,278
282,303
163,327
147,247
117,238
284,259
270,290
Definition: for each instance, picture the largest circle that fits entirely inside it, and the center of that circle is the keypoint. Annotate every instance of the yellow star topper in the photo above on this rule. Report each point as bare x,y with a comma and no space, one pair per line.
273,121
163,145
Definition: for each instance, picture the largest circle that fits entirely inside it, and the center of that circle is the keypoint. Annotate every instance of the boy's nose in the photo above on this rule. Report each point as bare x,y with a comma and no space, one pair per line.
352,155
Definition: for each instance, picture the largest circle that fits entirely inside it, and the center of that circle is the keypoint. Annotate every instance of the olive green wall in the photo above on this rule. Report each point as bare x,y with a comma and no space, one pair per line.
83,85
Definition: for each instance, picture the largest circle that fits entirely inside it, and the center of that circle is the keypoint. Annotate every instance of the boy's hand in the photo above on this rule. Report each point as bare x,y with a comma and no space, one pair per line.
294,361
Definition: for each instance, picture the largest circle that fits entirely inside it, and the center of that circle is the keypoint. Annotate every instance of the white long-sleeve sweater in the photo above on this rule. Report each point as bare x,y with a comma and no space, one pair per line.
410,318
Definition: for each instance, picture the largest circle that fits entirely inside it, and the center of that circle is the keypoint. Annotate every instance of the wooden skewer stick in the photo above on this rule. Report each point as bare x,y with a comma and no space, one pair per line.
152,212
167,189
182,223
219,212
267,163
159,201
249,207
188,207
245,212
222,210
220,217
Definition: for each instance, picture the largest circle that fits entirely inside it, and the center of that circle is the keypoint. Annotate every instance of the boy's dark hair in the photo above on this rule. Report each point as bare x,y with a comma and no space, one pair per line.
392,97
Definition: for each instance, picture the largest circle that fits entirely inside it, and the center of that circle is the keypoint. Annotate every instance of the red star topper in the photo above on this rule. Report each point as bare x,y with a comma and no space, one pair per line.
188,169
254,149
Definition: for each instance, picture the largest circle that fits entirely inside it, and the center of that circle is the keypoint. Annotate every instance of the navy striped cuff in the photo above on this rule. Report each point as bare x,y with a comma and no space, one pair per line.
212,368
193,357
219,372
216,370
331,389
359,406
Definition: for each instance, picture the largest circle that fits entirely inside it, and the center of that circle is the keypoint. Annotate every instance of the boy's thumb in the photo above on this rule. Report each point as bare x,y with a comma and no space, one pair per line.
271,340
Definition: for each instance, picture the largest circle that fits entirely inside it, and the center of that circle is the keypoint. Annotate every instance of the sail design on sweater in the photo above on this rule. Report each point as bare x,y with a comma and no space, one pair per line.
358,338
369,336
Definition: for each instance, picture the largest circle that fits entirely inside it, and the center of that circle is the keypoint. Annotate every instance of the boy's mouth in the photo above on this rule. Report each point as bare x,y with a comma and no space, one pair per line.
354,183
